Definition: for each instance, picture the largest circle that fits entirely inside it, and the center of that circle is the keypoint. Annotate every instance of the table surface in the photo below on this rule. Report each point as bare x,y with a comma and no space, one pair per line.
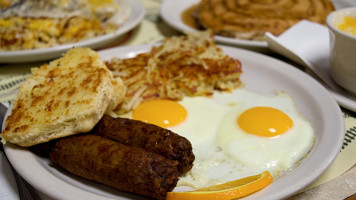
152,30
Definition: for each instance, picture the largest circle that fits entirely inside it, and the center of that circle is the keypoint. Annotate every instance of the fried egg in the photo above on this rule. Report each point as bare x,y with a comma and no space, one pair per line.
265,132
234,135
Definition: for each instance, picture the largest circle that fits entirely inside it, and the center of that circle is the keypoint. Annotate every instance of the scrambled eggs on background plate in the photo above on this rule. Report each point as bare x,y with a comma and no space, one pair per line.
35,24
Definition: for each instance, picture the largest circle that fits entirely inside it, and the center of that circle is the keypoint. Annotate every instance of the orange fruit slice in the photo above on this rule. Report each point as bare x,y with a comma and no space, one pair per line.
229,190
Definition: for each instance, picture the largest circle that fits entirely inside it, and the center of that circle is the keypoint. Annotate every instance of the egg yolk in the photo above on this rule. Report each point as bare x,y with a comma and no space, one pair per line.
264,121
348,26
163,113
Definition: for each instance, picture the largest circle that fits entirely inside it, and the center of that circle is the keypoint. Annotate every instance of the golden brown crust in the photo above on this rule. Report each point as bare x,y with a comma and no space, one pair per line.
65,97
250,19
189,65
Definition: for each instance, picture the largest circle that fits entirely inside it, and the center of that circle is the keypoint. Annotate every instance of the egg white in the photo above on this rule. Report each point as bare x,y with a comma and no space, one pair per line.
211,165
273,154
224,152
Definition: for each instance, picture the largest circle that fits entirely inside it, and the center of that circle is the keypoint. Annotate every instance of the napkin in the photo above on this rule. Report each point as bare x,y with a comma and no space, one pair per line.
8,188
307,43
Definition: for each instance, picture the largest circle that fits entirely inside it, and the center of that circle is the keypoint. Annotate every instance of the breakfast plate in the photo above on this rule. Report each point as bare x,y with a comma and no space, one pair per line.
171,12
136,16
261,74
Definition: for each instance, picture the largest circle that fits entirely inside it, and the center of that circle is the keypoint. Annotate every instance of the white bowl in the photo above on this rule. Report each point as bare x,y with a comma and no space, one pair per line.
342,50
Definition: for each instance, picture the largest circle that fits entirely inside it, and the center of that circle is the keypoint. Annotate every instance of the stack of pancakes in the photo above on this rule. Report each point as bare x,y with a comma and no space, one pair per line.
250,19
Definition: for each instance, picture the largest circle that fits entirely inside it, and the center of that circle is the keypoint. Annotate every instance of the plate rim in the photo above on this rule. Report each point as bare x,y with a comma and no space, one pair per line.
338,123
21,56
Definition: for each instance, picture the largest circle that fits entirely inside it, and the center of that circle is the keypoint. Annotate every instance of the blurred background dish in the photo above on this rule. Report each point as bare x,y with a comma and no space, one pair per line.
172,11
342,29
132,12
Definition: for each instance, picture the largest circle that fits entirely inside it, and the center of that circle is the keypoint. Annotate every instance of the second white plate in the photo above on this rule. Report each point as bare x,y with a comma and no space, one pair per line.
137,14
171,12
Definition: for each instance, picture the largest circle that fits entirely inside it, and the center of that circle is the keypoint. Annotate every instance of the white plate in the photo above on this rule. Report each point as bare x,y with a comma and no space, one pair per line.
261,74
171,11
338,4
137,14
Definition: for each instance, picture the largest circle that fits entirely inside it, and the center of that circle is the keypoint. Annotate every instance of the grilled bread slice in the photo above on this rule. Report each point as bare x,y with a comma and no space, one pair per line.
67,96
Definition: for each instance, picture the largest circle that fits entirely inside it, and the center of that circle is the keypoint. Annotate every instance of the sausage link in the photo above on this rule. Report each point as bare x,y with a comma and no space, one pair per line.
149,137
123,167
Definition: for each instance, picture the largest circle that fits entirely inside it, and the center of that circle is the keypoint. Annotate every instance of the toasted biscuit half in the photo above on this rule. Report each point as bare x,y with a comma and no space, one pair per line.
67,96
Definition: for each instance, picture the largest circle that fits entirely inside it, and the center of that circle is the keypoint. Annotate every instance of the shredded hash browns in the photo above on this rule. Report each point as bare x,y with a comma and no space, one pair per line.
190,65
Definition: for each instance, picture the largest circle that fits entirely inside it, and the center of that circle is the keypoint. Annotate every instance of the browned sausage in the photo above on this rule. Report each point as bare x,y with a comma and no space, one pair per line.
150,137
123,167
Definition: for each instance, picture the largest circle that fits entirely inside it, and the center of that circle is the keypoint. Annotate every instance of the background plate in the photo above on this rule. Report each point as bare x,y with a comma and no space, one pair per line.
261,74
137,14
171,11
